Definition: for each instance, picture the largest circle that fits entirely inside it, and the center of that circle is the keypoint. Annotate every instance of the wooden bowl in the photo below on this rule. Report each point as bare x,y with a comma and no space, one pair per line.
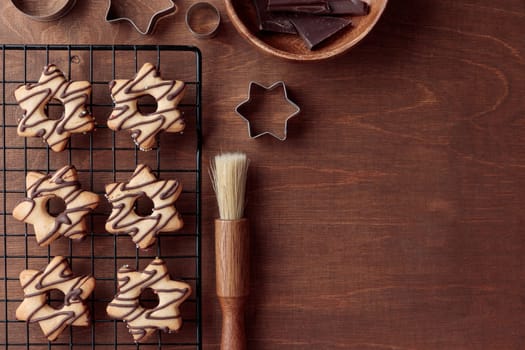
244,18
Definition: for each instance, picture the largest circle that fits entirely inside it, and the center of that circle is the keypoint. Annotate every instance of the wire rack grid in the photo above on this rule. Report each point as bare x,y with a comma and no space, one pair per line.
100,157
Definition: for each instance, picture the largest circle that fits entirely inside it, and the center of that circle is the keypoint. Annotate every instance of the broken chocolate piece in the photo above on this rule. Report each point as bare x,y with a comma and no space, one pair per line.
320,7
306,6
308,17
272,22
316,29
348,7
278,24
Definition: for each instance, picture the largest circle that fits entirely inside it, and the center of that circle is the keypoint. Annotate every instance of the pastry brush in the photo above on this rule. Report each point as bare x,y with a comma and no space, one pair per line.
228,173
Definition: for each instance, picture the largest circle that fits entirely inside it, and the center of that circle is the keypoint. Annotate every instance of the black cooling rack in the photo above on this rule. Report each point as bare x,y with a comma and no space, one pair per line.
100,157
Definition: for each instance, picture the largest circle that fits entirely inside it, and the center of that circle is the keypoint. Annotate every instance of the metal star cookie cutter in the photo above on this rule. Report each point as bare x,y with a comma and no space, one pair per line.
112,15
255,85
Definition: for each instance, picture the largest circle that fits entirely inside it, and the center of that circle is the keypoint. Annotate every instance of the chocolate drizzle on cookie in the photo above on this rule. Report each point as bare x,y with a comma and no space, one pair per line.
143,229
143,322
33,99
126,115
37,284
63,184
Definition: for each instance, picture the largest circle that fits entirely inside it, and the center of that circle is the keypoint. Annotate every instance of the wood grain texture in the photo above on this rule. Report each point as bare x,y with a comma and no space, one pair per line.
233,324
232,266
392,216
243,16
232,258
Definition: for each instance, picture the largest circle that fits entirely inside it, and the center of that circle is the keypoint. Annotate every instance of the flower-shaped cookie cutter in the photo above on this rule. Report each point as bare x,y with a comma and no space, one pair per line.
113,15
256,88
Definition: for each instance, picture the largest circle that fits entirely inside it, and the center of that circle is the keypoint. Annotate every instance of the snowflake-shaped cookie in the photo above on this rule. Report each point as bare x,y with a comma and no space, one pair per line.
33,100
143,322
145,127
41,188
56,276
143,229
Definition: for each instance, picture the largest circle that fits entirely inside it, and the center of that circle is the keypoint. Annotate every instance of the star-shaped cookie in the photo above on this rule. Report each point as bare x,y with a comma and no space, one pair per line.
267,110
143,229
145,127
143,322
63,184
37,284
33,100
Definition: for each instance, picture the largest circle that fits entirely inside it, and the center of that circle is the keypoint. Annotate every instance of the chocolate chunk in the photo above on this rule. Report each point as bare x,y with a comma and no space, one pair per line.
272,22
320,7
278,24
306,6
348,7
316,29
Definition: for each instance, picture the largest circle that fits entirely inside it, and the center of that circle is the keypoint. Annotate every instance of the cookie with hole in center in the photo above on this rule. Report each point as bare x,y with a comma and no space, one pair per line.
37,286
34,99
73,203
142,322
126,115
142,227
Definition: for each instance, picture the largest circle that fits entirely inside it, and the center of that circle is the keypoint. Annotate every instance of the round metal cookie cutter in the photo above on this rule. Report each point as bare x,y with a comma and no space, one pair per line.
205,14
44,11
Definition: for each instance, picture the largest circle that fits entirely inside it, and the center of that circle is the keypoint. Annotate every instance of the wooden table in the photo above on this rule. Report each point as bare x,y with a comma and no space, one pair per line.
392,216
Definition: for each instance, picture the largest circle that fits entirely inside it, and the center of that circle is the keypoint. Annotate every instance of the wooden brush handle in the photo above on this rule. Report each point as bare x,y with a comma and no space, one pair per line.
233,331
232,276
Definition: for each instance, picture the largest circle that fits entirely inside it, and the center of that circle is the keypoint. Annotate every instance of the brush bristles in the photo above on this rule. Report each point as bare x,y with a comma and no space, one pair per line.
228,174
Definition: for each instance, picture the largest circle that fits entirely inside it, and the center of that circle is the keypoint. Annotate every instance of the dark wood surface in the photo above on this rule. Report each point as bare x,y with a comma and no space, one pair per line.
392,216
